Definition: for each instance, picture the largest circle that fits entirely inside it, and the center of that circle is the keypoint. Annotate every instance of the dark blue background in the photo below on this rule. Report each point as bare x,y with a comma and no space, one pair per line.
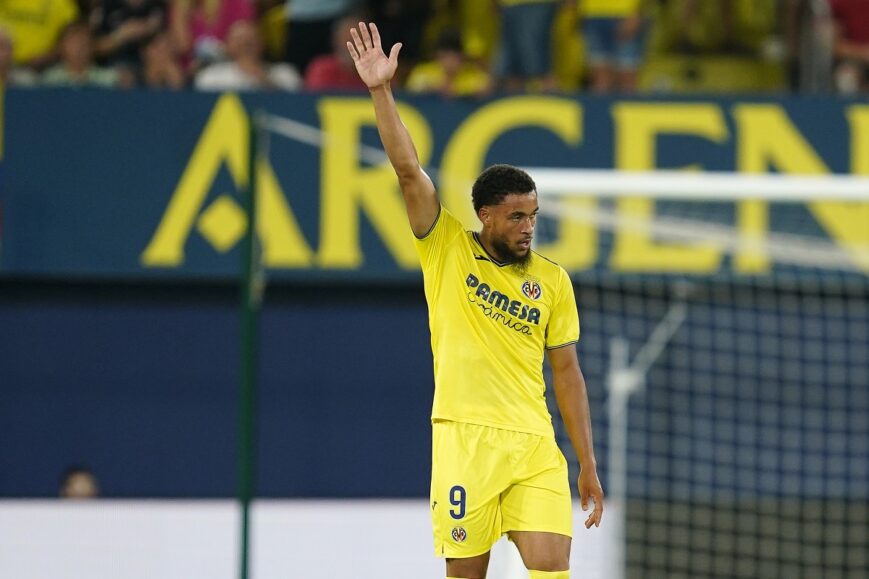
141,383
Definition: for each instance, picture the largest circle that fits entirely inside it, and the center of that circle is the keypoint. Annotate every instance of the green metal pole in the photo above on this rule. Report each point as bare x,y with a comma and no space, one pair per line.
250,302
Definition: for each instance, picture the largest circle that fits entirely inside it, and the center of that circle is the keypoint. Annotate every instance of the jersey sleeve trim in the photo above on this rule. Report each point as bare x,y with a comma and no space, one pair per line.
562,345
433,223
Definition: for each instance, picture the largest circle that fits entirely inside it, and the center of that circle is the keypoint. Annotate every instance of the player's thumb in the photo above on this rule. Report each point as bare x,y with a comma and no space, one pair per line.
393,53
583,499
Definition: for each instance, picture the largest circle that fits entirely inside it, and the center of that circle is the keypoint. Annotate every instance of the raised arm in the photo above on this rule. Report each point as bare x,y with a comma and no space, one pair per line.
376,71
572,397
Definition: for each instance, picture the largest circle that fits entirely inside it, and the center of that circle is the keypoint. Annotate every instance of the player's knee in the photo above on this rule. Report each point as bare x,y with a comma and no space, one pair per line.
466,572
546,561
534,574
543,552
470,568
550,565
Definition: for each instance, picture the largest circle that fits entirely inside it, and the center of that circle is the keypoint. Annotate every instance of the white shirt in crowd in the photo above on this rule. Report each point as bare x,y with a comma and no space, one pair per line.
228,76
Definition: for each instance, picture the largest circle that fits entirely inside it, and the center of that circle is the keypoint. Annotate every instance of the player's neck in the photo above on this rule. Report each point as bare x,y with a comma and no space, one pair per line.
485,239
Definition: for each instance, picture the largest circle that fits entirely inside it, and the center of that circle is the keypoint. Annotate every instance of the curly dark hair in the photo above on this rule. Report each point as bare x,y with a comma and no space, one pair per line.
497,182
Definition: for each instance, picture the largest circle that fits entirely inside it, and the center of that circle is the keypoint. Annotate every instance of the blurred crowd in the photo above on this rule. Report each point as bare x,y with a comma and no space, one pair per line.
451,47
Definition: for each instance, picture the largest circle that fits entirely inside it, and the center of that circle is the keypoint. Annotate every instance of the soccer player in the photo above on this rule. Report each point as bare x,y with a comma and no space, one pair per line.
495,306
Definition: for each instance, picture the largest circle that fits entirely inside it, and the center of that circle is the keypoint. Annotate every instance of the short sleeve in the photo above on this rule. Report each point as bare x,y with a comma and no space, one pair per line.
432,246
563,328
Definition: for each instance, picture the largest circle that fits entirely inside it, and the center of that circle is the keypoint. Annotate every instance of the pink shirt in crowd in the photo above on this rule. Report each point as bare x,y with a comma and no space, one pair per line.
206,36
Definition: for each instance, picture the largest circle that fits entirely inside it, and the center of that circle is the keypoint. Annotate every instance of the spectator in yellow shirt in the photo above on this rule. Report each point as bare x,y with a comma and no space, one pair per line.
11,75
450,74
36,27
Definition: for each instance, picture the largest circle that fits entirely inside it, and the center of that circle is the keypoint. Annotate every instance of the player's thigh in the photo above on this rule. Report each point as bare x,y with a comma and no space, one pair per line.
465,489
540,498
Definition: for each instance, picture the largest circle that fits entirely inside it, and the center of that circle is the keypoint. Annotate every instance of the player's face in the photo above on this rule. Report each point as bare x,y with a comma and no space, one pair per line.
510,226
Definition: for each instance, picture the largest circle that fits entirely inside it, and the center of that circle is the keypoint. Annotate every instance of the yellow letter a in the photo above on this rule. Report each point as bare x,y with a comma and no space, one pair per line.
225,139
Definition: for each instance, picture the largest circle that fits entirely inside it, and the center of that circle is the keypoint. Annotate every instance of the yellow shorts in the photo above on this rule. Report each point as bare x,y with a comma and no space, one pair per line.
487,481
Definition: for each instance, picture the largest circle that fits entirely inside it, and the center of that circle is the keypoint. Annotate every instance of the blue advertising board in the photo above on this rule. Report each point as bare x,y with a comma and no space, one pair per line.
146,185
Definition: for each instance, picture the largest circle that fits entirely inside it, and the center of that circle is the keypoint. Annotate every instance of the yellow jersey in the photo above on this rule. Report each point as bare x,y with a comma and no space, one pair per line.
431,77
35,27
609,8
490,324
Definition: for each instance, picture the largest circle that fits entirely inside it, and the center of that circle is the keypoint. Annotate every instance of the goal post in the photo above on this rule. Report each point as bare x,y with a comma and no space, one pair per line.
732,408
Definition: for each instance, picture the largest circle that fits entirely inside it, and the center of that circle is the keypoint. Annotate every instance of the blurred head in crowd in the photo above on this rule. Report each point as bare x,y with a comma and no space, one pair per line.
243,42
76,48
448,51
78,482
160,67
340,38
157,48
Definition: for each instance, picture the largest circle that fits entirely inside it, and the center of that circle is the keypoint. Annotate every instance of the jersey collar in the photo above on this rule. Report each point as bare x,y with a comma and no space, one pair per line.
488,256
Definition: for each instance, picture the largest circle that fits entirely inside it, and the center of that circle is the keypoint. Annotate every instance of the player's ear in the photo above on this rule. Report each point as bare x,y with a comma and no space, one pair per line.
484,215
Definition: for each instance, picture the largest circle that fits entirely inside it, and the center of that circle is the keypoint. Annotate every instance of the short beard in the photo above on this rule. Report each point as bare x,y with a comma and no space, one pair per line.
517,262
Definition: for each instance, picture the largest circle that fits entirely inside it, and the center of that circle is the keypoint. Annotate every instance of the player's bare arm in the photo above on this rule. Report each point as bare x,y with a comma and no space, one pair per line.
376,71
572,398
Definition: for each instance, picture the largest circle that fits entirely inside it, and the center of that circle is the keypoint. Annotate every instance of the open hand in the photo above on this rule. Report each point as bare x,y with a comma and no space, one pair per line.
374,67
589,486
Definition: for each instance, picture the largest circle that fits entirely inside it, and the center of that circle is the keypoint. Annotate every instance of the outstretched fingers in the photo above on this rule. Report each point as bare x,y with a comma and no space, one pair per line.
357,42
366,37
393,54
352,50
375,35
